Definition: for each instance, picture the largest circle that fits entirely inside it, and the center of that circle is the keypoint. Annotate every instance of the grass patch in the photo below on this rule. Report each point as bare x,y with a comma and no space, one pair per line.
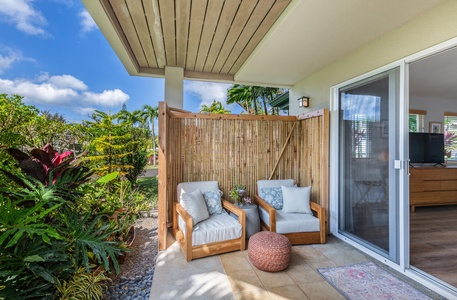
149,187
151,167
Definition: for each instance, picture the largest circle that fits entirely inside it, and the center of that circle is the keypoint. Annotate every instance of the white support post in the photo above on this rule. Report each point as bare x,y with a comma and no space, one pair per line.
174,86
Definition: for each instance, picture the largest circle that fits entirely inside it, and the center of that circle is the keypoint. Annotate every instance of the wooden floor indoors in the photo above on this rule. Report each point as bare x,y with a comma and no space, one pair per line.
434,241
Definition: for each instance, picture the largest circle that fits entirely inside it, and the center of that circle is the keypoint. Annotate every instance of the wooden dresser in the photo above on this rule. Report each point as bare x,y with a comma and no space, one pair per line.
432,186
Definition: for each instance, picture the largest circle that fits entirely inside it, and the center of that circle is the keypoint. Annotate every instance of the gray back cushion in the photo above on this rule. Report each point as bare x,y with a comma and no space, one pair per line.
203,186
274,183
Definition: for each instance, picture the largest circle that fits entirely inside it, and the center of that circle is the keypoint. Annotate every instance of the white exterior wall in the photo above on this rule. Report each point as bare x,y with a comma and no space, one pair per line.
433,27
429,29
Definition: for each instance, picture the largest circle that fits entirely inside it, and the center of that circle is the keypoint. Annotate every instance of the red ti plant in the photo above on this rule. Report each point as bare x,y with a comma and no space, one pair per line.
48,166
449,138
449,141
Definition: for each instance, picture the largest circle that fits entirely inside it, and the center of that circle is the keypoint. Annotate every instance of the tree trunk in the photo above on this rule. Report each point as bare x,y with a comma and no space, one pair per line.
256,110
265,104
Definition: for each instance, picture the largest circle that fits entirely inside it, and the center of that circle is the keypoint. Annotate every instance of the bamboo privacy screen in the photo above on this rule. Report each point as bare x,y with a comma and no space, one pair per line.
239,149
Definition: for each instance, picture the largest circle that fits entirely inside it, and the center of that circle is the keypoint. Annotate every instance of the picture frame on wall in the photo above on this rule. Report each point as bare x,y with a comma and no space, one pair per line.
435,127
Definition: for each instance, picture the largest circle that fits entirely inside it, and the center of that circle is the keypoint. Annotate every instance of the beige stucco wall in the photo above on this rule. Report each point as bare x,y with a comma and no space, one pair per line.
429,29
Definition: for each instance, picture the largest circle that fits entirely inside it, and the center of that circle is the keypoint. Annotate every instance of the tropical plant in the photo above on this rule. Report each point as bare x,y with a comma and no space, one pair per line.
33,252
17,221
86,235
83,285
250,98
215,108
139,156
49,168
242,96
44,238
450,144
15,118
120,197
30,269
130,118
109,144
150,113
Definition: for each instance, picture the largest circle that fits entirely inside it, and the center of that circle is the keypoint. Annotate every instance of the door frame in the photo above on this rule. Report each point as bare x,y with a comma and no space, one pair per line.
404,246
334,160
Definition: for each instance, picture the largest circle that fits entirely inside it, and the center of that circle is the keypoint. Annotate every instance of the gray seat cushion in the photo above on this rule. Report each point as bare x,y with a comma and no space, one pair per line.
291,222
216,228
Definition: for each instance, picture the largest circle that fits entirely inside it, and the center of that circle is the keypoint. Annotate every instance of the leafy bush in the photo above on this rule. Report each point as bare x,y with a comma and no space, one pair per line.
111,194
49,167
85,235
83,285
31,251
44,237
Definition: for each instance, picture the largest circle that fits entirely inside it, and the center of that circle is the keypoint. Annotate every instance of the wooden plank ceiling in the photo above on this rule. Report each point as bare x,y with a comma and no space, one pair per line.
209,39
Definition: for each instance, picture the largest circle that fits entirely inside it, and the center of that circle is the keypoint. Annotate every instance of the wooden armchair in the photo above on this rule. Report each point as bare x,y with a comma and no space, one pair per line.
208,237
299,228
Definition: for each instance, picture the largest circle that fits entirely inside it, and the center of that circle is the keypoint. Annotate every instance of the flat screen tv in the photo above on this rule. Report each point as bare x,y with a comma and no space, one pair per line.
426,148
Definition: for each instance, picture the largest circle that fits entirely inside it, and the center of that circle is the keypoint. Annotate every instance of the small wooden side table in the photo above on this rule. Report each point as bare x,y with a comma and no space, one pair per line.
252,218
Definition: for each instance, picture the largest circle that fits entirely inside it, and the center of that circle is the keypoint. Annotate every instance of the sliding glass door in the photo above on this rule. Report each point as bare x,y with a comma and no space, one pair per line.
368,139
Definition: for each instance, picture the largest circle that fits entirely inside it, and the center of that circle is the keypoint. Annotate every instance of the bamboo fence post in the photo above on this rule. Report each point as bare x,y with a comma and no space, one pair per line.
162,179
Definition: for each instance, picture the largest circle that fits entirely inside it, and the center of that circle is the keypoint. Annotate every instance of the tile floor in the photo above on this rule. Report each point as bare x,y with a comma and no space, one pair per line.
231,275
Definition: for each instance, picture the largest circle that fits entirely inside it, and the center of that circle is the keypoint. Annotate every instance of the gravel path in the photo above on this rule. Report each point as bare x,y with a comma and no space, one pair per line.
134,281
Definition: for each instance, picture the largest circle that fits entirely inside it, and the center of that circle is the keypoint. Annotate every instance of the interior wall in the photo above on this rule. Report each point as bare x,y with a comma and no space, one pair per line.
435,108
429,29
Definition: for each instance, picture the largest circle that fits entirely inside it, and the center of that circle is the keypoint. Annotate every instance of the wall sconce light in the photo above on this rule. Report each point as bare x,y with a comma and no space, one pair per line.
303,101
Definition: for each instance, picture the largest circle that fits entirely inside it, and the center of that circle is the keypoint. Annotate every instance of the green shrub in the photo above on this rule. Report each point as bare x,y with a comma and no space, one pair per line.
83,285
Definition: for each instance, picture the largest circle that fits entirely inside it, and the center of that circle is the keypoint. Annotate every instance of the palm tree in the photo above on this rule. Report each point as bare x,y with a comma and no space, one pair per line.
241,95
248,96
151,113
267,94
133,118
215,108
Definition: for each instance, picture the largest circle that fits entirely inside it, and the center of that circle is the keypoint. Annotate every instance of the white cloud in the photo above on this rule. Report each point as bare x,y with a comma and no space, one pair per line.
62,90
208,91
63,81
85,111
110,98
22,14
9,56
87,23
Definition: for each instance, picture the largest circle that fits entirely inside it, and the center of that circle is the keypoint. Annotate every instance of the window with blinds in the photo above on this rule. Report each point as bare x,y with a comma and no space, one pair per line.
417,120
361,138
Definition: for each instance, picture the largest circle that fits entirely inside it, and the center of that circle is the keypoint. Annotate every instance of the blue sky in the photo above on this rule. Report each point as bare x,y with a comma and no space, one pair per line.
53,54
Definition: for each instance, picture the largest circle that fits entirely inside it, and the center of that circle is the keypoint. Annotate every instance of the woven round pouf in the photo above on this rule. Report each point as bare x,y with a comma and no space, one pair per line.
269,251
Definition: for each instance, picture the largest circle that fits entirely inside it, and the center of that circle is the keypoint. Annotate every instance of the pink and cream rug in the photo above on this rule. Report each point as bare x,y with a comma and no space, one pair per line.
368,281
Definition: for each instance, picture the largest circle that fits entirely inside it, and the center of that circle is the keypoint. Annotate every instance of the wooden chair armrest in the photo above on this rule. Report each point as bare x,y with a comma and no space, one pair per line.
322,218
270,210
186,218
186,246
183,213
234,209
262,203
320,211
